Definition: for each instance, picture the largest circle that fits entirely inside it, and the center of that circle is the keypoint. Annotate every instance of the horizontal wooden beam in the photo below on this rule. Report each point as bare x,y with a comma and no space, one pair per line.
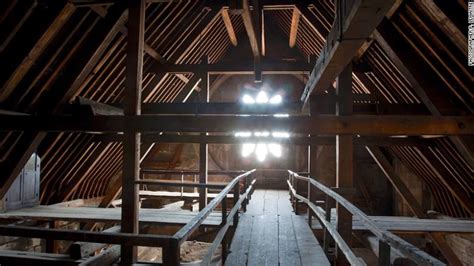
242,68
221,108
324,124
355,21
86,236
294,140
12,257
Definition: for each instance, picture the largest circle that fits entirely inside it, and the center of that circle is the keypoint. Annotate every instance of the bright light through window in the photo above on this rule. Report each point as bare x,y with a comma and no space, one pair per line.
247,149
262,98
264,146
276,99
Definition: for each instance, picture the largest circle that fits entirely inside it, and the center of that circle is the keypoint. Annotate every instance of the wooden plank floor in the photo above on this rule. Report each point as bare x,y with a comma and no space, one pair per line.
85,214
269,233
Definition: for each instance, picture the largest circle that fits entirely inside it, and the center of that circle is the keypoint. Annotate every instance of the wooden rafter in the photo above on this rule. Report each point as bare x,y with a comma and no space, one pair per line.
396,181
295,20
348,34
228,26
81,65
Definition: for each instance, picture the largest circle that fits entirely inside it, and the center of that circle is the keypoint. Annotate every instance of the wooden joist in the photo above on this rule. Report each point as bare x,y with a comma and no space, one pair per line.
350,30
236,68
324,124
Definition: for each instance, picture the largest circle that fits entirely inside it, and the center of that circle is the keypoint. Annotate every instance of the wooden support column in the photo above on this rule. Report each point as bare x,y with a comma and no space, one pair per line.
344,159
131,141
203,147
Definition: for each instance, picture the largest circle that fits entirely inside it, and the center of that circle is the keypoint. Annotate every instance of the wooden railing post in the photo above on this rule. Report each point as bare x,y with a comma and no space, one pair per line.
384,253
182,181
171,253
327,235
224,221
310,216
295,202
236,199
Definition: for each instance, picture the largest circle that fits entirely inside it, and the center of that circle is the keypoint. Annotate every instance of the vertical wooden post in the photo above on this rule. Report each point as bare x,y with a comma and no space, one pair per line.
224,221
310,217
344,159
384,253
203,147
327,236
172,253
131,140
51,244
236,199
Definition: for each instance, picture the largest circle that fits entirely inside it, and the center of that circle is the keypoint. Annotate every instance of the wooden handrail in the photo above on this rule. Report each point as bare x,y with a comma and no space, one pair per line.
343,246
192,225
394,241
189,172
179,184
221,234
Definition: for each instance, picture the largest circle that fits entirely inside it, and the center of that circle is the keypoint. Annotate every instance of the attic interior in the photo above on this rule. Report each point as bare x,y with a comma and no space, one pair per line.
239,132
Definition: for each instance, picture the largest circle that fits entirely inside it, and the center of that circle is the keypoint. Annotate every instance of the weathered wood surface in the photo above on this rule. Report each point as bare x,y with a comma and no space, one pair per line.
269,233
409,224
147,216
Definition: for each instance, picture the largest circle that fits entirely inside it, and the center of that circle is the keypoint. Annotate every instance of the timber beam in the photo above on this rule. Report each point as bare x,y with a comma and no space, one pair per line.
355,21
236,68
295,140
323,124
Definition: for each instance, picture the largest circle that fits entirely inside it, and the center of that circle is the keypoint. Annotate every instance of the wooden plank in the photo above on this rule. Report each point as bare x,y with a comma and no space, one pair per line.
86,236
396,181
355,21
256,254
240,245
309,249
295,20
287,246
323,124
131,142
84,214
228,26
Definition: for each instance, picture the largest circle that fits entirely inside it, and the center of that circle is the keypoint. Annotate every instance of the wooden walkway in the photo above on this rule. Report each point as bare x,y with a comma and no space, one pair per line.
269,233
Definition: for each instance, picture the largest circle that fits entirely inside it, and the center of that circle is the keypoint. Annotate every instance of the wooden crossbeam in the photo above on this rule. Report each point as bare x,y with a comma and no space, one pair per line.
294,140
324,124
350,31
236,68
